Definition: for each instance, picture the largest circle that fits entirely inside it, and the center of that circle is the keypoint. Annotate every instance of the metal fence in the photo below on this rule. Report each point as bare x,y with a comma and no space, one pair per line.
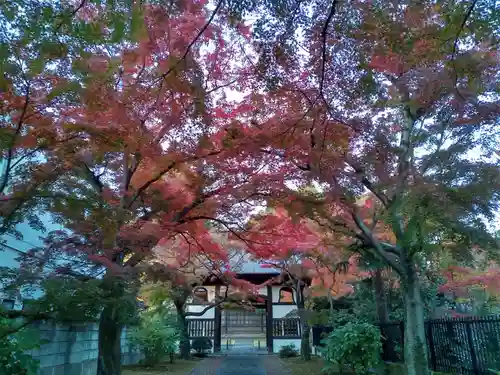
459,345
319,333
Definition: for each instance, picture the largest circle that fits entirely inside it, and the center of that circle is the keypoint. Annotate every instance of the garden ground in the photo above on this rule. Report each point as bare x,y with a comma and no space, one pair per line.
241,364
179,367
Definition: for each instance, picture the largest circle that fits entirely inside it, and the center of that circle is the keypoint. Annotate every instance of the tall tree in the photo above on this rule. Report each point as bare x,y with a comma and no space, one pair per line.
40,45
396,99
149,161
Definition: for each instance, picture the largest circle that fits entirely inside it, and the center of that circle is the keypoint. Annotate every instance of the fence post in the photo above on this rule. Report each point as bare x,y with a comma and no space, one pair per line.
468,329
431,346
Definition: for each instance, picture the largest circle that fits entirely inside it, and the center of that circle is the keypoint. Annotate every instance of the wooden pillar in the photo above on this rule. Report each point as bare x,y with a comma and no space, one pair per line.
217,328
269,319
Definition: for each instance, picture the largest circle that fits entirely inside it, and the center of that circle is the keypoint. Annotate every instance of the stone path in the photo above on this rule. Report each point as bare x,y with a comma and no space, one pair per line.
241,364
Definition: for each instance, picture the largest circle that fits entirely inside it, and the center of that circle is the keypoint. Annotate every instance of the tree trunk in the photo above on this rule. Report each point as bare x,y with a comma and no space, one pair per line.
381,303
415,341
305,346
184,343
109,359
330,303
380,297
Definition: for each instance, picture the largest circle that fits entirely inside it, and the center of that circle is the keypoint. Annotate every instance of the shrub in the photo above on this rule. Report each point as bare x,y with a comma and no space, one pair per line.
288,351
201,345
155,338
13,359
354,347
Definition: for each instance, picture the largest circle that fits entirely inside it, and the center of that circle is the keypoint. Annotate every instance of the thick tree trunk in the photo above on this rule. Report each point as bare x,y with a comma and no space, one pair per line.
381,304
305,346
380,297
415,342
184,343
109,359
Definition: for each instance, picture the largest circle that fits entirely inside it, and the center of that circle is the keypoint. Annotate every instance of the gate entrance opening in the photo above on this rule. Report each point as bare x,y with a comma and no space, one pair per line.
243,330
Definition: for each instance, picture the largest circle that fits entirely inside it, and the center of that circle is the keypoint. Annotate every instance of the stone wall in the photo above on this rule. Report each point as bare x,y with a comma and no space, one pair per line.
73,349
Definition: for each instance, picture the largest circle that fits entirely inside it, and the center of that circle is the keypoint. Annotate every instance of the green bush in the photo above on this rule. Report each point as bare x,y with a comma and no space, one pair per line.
155,338
355,347
201,345
13,359
288,351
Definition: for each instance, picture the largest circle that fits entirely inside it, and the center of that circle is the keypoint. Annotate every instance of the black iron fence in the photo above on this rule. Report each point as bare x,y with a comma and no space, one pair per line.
458,345
319,333
201,328
286,327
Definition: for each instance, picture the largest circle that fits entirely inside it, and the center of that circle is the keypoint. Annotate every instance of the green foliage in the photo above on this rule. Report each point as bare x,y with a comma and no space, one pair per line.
201,345
360,306
156,338
70,299
13,357
288,351
355,346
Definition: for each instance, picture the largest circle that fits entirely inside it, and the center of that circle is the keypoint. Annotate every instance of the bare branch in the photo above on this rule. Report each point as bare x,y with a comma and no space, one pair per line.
464,21
10,152
208,307
369,185
389,257
191,44
323,53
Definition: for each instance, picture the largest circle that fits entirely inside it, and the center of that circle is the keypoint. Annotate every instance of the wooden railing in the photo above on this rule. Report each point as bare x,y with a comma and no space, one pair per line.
286,328
201,328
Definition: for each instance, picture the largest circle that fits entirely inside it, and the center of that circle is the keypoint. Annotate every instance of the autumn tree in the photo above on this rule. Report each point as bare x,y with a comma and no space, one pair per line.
149,161
28,130
40,46
399,100
39,42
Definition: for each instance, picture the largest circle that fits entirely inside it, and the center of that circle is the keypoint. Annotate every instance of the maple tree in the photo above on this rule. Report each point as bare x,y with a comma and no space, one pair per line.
396,100
27,129
147,162
39,45
387,98
334,279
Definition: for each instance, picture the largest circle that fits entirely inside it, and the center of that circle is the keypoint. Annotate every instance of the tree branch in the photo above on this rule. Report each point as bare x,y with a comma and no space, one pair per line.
94,179
208,307
464,21
14,329
377,246
10,152
369,185
165,171
323,52
191,44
